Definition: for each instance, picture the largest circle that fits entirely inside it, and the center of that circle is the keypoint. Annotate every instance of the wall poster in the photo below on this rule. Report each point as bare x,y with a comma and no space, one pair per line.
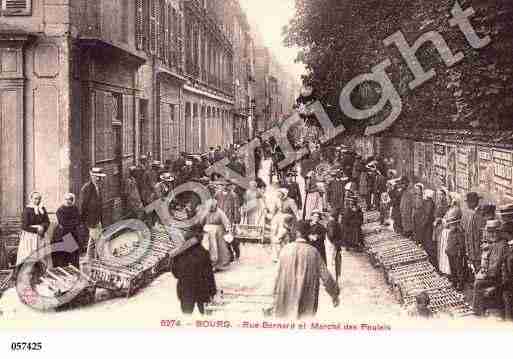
463,169
440,164
485,169
451,168
419,160
503,178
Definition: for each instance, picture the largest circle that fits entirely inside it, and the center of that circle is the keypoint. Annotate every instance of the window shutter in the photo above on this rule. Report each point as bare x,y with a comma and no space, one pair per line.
160,29
165,45
180,41
171,31
17,7
139,24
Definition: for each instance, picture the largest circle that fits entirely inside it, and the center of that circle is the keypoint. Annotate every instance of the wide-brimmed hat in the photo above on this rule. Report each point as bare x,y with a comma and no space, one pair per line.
493,225
167,177
97,172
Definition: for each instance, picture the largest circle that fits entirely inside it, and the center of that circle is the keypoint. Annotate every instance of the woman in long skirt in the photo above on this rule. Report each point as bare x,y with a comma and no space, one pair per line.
216,225
254,207
443,258
442,206
35,223
68,217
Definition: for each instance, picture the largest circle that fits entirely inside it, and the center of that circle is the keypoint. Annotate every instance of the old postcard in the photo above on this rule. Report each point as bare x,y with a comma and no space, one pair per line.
256,165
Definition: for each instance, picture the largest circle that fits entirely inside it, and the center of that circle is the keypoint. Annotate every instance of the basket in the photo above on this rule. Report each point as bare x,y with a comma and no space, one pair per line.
5,279
61,280
402,273
249,233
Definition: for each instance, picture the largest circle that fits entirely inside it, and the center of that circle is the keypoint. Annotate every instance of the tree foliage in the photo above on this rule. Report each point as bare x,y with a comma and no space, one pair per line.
340,39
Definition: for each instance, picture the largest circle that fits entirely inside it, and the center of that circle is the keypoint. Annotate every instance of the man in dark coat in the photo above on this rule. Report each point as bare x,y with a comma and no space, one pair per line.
91,209
352,225
193,269
293,189
473,223
317,234
336,193
428,218
396,194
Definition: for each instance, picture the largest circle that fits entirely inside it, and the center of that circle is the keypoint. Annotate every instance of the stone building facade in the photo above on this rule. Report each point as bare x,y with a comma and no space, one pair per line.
99,83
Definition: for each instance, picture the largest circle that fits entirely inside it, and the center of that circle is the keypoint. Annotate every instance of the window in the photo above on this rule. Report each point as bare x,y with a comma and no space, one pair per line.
16,7
141,24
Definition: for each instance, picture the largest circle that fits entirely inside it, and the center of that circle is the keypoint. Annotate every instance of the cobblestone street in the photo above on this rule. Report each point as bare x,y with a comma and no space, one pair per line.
364,296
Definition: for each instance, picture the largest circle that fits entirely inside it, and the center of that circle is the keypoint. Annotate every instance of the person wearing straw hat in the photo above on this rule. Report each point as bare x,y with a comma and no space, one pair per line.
91,209
489,278
452,239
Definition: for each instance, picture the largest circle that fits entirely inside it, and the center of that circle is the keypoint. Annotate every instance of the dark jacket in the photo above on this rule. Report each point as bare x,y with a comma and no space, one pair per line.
334,232
30,218
321,237
91,205
456,243
193,269
295,193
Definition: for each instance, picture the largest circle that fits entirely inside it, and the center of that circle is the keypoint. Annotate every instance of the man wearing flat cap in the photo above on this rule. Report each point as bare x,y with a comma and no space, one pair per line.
91,208
473,222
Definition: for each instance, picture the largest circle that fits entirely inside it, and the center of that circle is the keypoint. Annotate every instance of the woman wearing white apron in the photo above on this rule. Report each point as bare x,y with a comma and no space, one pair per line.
216,225
254,209
35,223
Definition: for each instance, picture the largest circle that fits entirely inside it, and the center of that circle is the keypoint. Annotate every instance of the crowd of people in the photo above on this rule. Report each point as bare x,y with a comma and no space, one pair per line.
318,205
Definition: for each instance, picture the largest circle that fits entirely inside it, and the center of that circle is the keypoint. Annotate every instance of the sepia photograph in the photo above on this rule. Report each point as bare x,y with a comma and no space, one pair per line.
256,165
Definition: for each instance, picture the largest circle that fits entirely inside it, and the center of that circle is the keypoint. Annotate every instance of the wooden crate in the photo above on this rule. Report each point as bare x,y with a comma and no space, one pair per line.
249,233
5,280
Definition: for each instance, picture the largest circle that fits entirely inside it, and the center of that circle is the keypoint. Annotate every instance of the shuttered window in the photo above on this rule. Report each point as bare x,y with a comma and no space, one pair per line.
160,28
167,29
104,110
17,7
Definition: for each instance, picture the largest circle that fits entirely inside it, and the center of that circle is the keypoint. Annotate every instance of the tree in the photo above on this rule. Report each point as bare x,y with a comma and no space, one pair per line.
340,39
